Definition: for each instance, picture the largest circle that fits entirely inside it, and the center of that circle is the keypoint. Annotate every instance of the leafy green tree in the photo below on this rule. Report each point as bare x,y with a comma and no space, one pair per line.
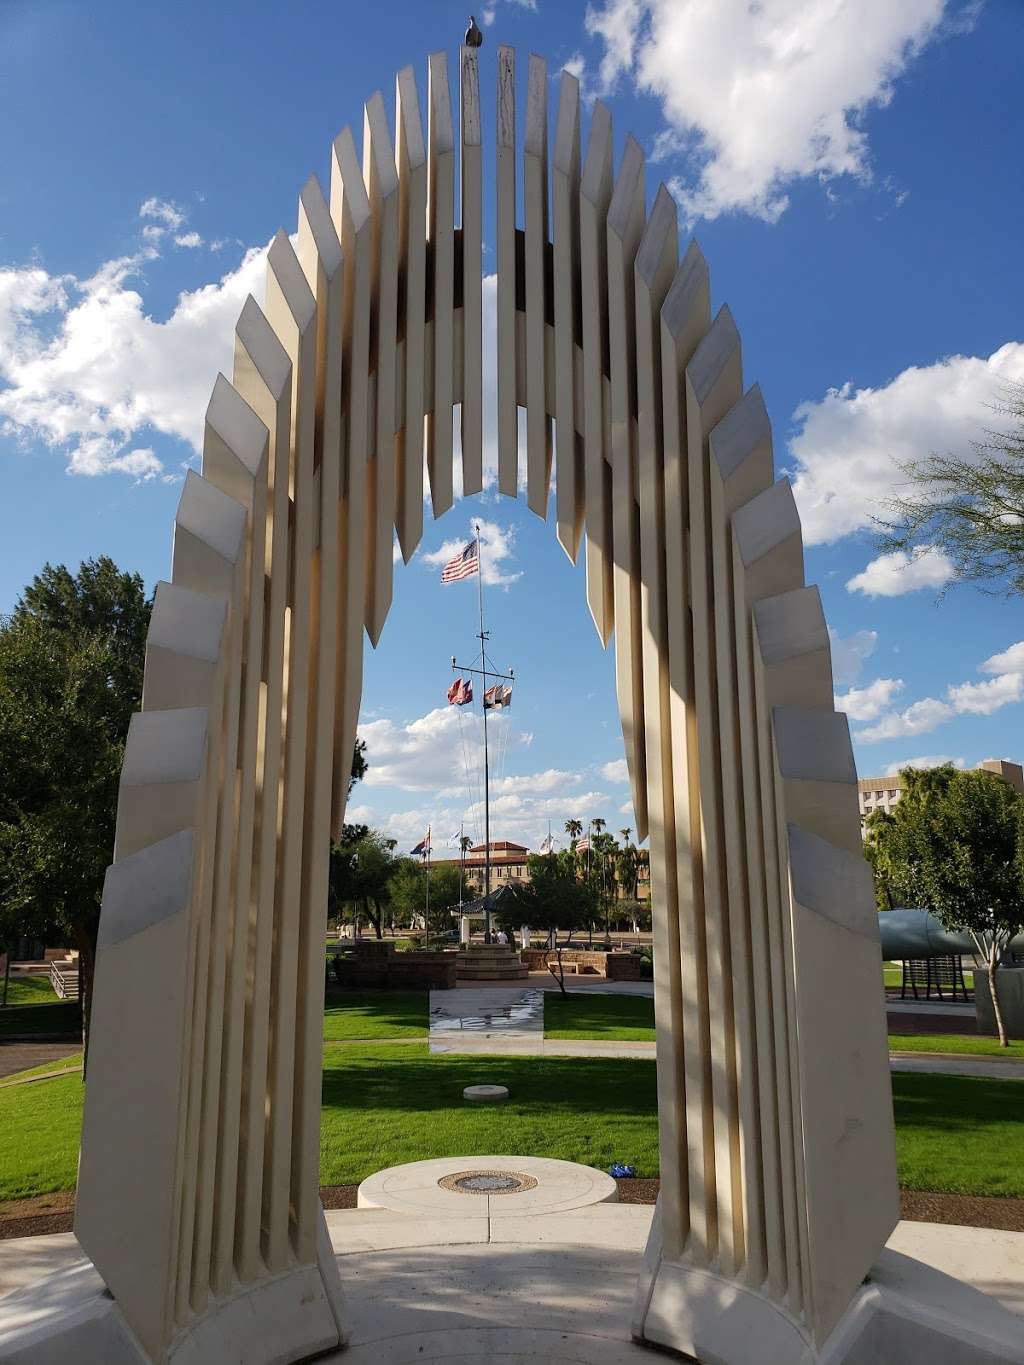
444,893
408,888
72,656
360,764
627,867
360,878
955,846
409,891
554,901
971,508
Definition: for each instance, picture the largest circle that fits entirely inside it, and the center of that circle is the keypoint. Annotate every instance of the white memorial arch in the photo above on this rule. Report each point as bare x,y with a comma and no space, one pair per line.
198,1188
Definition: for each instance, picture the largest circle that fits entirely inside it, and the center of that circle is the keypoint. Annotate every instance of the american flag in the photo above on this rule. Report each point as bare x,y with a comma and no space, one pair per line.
583,845
464,565
423,847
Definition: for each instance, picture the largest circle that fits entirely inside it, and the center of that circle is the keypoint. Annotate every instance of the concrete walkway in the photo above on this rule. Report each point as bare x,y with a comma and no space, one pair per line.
508,1021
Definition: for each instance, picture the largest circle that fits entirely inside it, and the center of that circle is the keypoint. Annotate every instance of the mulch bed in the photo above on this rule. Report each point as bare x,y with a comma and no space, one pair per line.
907,1021
339,1196
50,1213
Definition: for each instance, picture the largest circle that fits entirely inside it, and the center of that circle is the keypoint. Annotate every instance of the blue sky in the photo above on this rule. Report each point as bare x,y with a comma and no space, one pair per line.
848,168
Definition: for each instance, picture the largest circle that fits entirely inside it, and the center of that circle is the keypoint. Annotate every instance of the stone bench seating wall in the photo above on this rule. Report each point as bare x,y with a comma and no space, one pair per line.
583,962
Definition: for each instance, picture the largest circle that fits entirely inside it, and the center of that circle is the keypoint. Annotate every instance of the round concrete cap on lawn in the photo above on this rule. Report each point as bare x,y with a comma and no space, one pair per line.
485,1094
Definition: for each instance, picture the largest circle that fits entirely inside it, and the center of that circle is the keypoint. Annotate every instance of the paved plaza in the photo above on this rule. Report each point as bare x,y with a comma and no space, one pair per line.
464,1285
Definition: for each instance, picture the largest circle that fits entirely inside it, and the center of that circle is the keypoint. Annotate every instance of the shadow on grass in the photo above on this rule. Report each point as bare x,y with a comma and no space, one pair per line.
961,1135
375,1014
60,1019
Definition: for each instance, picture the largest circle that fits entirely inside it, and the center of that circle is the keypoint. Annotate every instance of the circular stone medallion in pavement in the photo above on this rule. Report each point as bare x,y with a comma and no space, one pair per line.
487,1182
523,1185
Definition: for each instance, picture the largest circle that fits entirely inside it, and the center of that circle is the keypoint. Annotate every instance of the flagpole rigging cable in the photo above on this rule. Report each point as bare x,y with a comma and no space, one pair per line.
458,568
487,767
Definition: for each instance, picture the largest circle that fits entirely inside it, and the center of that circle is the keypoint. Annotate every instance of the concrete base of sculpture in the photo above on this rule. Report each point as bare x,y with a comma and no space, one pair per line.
906,1312
1010,984
465,1286
70,1317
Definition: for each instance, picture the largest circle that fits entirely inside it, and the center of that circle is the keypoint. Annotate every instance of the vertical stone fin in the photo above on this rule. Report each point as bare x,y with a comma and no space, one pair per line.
508,416
382,192
411,153
570,488
441,218
535,202
595,198
471,197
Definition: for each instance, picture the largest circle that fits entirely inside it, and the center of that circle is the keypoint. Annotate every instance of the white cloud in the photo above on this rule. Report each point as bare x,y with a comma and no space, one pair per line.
850,444
497,548
849,653
968,698
516,816
917,719
868,703
188,239
489,8
924,761
551,779
85,369
895,574
1009,661
981,699
615,771
441,751
163,212
762,95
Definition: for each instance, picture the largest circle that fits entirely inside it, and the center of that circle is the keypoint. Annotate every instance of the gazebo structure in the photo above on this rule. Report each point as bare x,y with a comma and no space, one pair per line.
198,1187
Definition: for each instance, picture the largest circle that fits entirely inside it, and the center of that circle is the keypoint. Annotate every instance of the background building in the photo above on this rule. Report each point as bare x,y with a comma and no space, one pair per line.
509,864
883,793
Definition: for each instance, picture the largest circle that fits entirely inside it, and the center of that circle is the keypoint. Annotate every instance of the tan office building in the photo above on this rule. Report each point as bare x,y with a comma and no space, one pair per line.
883,793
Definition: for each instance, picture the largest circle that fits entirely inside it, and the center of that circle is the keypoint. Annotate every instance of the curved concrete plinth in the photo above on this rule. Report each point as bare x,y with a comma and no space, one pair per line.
905,1313
415,1188
555,1289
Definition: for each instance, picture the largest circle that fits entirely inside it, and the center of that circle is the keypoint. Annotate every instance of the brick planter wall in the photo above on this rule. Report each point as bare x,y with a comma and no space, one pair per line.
374,964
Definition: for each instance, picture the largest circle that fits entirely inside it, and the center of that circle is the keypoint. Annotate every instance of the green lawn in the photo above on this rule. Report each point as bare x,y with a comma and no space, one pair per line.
959,1134
28,990
631,1019
954,1042
62,1016
387,1105
376,1014
626,1017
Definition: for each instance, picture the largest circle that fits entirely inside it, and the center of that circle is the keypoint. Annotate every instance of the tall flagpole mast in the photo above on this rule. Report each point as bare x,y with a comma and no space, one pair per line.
487,765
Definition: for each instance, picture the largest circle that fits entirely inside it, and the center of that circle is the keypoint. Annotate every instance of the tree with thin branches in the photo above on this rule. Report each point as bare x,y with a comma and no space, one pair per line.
969,508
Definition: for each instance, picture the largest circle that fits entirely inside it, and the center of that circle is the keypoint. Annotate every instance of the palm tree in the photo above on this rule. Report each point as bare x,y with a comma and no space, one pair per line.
574,829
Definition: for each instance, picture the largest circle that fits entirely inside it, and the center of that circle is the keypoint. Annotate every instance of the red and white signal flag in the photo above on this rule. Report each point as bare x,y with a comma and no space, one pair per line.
497,696
460,693
465,564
